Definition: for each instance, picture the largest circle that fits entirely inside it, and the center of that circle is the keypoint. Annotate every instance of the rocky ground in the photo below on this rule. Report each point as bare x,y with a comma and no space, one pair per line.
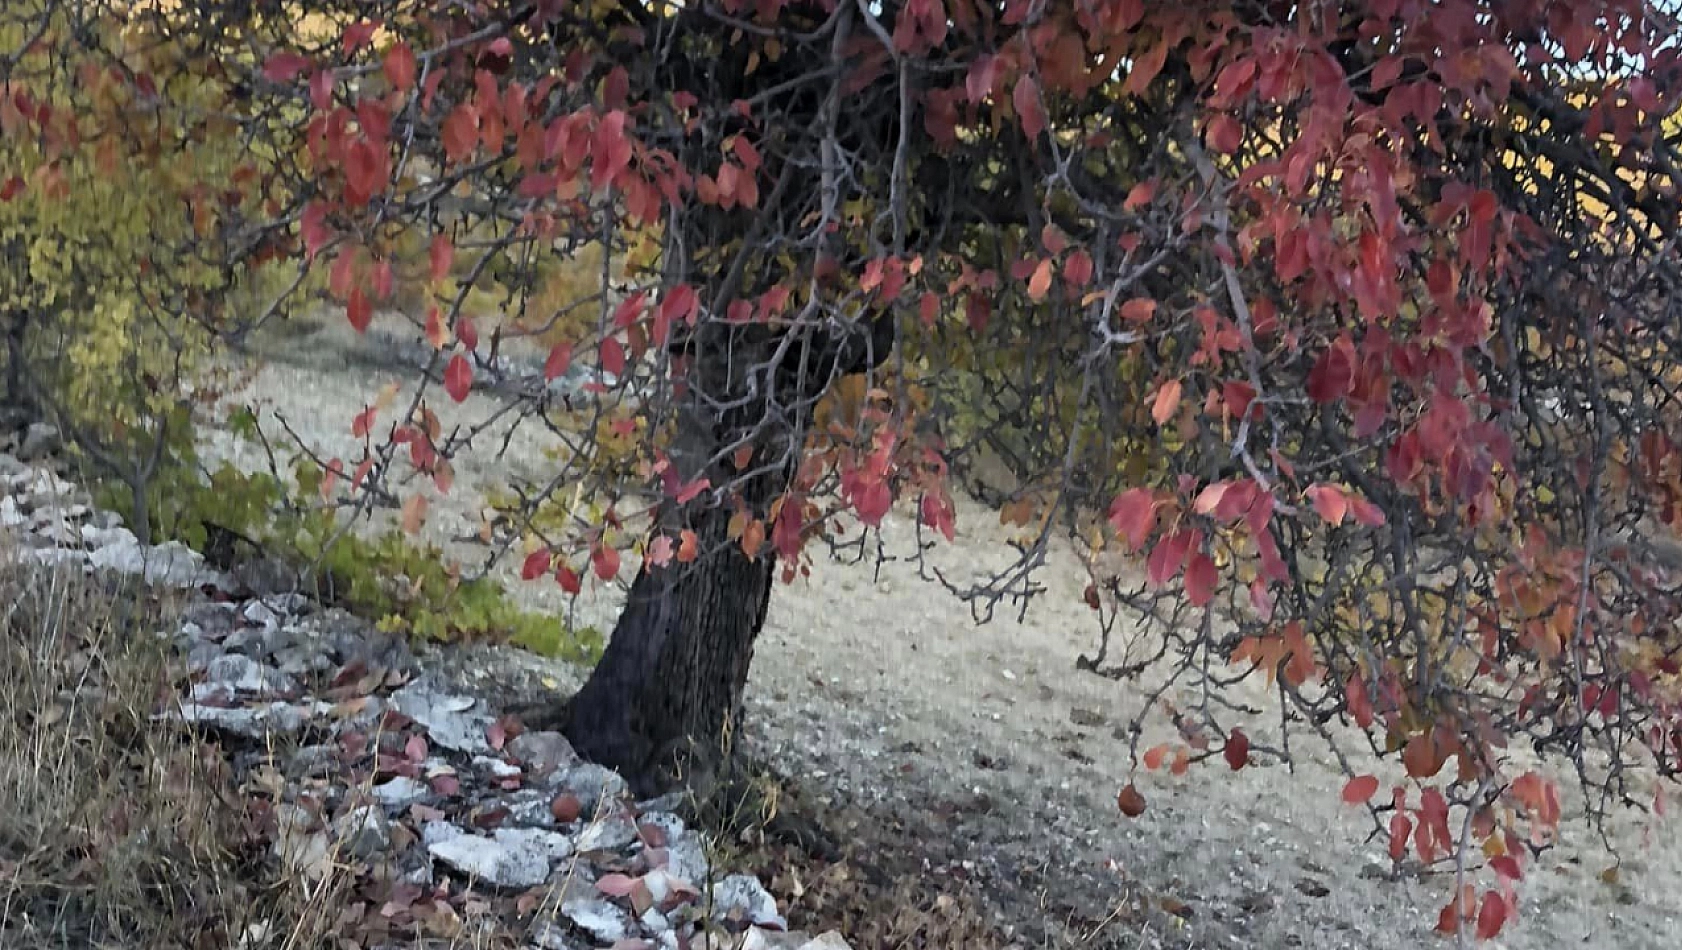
452,819
977,757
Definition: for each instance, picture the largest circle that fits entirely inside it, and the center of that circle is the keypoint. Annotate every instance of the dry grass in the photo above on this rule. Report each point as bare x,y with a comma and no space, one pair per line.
117,831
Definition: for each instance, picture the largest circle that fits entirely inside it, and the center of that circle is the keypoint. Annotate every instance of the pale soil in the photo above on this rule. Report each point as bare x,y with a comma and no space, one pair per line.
886,694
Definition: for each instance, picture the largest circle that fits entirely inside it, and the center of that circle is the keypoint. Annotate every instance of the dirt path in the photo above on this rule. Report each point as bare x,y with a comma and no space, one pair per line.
883,691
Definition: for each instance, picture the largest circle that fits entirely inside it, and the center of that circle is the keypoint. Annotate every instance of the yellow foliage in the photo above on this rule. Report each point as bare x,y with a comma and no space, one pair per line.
113,234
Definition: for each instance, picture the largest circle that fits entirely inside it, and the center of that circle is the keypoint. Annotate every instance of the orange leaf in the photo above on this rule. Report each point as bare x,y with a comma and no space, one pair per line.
414,514
1139,309
1167,400
1330,502
1040,283
688,546
436,332
753,538
1154,756
440,256
1359,789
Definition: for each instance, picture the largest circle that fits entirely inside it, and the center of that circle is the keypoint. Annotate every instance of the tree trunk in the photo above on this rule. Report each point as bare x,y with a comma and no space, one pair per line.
669,687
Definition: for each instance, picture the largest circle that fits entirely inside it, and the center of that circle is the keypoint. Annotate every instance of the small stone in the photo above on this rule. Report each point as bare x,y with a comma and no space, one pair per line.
301,661
741,897
592,784
552,845
216,620
549,935
201,655
608,833
266,576
827,941
364,831
450,720
39,440
543,751
253,722
10,515
262,614
493,861
401,791
604,920
495,767
97,537
758,938
435,831
245,675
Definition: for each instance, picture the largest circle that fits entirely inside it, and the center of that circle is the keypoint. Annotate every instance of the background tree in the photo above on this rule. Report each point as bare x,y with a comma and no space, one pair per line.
1356,320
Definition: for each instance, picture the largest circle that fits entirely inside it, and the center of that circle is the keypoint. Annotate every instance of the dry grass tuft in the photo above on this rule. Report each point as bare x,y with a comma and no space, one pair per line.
118,831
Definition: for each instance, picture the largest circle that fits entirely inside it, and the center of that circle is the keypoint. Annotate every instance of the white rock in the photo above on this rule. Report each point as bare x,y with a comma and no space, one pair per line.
608,833
495,767
171,564
401,790
245,675
450,721
742,897
604,920
493,862
543,751
251,721
364,831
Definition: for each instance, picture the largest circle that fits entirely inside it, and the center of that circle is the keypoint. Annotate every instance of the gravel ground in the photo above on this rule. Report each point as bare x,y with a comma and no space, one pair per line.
879,690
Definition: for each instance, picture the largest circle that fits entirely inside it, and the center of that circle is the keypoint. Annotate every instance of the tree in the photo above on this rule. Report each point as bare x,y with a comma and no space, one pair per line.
1355,320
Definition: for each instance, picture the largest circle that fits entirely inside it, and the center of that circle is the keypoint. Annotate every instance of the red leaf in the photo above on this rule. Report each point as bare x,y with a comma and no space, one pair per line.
1077,269
400,67
560,357
1224,134
1359,789
1400,827
1200,579
461,132
1333,375
441,255
1155,756
467,333
1237,751
1140,195
1130,801
1491,916
613,356
568,579
680,304
688,546
1026,98
458,378
605,559
359,311
659,551
284,67
687,493
1133,514
536,564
